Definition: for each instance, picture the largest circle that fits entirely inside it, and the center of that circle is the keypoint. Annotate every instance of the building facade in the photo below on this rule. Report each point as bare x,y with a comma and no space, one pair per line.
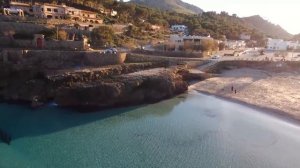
281,45
50,11
26,8
235,44
53,11
179,29
245,36
183,42
277,44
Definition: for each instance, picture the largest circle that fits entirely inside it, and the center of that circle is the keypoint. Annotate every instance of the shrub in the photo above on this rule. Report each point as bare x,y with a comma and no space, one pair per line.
103,36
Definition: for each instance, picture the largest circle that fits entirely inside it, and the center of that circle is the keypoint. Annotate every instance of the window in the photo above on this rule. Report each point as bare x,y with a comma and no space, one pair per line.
49,9
55,10
30,10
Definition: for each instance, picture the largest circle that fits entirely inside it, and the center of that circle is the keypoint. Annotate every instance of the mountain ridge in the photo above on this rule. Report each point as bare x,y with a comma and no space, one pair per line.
170,5
266,27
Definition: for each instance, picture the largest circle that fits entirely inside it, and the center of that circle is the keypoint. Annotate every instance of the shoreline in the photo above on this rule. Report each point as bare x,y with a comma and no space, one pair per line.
279,114
262,88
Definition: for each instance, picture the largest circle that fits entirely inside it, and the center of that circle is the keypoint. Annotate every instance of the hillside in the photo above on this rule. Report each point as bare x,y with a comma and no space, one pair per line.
170,5
266,27
217,25
296,37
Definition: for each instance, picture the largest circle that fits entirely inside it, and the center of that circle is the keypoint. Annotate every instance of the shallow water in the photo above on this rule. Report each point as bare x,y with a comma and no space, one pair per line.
192,130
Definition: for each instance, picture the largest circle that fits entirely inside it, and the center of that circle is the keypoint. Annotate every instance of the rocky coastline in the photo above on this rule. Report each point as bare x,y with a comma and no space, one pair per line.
24,80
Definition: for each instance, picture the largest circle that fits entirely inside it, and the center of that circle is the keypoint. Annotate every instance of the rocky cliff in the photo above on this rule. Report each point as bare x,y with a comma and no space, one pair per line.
93,86
89,79
133,88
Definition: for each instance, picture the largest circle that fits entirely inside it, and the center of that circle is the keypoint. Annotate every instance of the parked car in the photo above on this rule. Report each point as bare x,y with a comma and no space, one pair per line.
111,51
216,57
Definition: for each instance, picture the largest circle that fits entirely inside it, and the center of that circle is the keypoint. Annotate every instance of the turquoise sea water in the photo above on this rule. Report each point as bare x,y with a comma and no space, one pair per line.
192,130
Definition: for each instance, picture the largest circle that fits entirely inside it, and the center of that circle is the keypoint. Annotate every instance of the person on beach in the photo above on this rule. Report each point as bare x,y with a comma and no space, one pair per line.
235,91
232,88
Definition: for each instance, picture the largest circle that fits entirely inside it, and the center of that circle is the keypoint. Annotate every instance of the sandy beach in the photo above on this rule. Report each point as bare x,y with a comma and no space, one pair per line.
276,91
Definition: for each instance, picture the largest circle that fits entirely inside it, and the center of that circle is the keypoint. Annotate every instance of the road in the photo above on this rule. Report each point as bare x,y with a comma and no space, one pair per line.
254,55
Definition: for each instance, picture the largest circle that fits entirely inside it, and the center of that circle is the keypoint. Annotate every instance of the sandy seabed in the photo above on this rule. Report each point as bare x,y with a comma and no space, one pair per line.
277,91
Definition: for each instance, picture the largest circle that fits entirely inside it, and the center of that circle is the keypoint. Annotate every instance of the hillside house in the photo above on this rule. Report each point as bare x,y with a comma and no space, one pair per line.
88,16
50,11
109,12
281,45
13,11
245,36
276,44
53,11
235,44
26,8
179,29
73,13
179,42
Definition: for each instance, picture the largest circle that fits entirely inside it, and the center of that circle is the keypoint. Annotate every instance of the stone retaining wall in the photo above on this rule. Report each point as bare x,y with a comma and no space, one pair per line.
170,53
13,27
273,66
60,59
49,45
169,60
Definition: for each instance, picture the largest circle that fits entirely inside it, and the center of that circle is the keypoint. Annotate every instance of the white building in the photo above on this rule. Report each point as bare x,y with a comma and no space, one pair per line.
281,45
13,11
182,41
245,36
293,45
235,44
179,29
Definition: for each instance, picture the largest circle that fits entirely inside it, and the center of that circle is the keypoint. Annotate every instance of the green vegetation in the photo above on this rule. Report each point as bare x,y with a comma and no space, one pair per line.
53,34
103,36
140,18
62,35
23,35
49,33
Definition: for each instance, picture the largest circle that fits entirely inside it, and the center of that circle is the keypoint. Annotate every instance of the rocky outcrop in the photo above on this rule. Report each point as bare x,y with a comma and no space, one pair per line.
134,88
107,86
68,76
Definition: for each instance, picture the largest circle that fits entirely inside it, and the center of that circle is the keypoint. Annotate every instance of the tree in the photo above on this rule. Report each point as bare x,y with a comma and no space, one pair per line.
209,45
62,35
134,32
103,36
221,46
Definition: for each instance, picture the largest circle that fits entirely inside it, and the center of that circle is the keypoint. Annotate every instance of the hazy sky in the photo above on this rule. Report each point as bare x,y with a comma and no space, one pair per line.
286,13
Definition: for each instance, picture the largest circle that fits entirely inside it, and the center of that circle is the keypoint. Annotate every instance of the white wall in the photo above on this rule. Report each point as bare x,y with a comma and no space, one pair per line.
277,44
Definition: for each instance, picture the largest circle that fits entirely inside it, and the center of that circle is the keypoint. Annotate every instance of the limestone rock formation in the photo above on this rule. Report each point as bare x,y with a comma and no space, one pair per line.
134,88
